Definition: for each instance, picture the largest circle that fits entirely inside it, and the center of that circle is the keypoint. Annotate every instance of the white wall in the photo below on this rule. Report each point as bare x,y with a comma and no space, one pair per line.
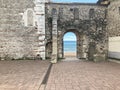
114,47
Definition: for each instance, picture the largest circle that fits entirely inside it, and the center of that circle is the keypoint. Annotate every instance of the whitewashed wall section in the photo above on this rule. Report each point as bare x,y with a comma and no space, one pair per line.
114,47
40,19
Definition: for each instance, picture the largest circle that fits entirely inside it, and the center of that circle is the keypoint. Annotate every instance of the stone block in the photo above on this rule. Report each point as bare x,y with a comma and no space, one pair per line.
99,57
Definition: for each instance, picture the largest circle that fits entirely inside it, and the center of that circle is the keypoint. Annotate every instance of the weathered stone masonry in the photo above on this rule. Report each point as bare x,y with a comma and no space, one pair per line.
87,21
22,29
35,28
16,39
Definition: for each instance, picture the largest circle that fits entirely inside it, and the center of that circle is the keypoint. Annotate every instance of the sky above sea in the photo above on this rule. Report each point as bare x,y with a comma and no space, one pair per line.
70,46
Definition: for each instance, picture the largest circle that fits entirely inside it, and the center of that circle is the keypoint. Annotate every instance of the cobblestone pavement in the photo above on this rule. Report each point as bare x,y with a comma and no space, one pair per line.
84,75
22,75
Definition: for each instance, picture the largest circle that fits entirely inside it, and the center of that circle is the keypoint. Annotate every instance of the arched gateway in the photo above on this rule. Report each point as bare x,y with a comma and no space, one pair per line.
87,21
70,45
79,37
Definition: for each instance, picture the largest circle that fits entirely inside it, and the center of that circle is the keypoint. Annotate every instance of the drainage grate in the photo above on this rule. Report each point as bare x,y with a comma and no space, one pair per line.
47,75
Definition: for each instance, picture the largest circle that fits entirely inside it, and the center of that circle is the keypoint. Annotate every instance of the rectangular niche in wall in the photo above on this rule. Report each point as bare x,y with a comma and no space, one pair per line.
91,13
76,13
54,11
29,18
119,10
60,13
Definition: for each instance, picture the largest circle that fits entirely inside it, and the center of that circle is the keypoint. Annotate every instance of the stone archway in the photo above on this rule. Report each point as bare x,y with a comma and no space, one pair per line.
82,43
92,30
69,45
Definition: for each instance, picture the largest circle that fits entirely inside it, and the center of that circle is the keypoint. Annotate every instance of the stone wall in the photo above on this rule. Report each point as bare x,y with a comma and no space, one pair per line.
114,18
67,10
26,25
16,39
83,19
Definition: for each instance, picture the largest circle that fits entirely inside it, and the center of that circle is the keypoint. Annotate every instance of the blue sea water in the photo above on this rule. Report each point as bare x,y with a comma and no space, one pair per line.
69,46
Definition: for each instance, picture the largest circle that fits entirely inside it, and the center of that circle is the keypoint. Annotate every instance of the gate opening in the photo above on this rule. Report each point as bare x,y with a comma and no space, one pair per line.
70,45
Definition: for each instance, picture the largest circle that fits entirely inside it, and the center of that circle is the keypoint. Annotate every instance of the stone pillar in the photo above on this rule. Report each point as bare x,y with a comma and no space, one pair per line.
60,47
80,47
54,40
40,21
62,50
85,46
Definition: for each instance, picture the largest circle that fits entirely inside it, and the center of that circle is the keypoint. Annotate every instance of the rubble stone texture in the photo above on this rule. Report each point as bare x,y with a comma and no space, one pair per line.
35,28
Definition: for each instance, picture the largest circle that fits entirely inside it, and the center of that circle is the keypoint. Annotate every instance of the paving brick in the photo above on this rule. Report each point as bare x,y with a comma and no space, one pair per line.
85,75
22,75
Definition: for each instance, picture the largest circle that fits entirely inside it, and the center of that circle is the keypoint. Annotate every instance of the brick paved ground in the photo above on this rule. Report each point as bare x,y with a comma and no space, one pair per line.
22,75
84,75
65,75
